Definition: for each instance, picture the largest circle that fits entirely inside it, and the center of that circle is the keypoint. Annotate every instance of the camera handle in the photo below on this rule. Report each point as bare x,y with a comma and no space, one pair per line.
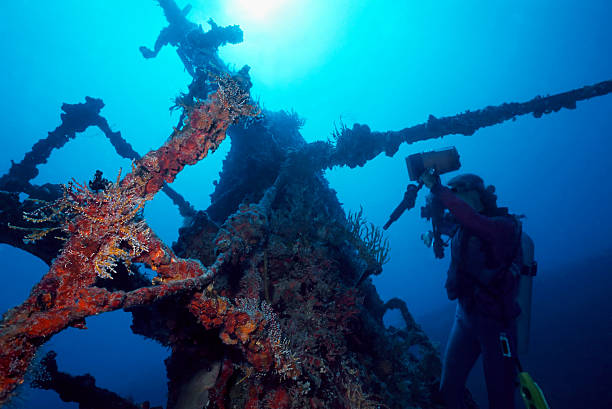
407,203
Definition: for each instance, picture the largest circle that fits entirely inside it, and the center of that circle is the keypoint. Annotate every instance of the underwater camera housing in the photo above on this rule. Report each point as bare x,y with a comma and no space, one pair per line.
439,162
442,161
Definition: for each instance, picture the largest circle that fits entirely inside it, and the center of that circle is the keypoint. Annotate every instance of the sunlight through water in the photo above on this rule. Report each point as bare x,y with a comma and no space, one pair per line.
261,11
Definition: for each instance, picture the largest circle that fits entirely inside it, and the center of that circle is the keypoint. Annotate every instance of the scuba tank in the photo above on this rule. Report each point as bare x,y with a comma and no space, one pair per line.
526,269
530,391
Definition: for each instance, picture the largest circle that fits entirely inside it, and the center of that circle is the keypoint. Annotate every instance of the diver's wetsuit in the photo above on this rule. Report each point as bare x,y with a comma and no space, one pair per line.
482,244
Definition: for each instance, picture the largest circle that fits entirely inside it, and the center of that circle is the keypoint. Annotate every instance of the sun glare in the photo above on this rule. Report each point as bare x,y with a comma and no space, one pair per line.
283,39
258,10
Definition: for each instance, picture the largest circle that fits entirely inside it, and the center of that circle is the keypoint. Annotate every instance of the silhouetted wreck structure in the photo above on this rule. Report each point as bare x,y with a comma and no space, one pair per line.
271,316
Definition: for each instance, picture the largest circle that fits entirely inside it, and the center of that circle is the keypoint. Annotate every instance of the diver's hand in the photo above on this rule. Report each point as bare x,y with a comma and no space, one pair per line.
429,178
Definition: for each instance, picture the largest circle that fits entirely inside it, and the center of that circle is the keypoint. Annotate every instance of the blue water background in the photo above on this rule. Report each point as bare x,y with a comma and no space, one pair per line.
385,63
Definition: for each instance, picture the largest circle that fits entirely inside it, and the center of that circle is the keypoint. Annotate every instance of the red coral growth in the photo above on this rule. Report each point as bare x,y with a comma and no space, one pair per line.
260,356
251,325
277,399
167,266
101,226
253,397
211,312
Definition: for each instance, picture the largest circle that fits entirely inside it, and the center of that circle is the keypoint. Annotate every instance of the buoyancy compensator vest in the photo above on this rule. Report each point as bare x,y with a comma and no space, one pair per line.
480,281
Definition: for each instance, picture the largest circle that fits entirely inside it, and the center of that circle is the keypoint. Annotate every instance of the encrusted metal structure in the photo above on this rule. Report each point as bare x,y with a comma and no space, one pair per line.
262,299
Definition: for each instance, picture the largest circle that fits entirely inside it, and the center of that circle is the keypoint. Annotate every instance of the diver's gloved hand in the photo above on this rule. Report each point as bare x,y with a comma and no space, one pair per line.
430,178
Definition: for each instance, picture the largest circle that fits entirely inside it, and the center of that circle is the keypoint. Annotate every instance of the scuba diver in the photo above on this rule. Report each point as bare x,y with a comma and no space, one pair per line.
480,277
491,275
